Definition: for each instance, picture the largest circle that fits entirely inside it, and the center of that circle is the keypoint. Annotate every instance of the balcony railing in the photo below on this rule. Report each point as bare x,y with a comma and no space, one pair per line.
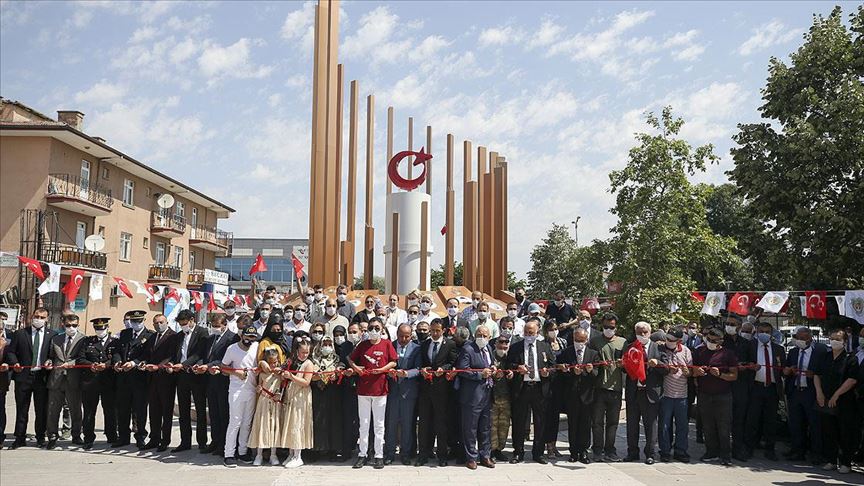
160,221
72,256
164,272
73,187
214,236
195,278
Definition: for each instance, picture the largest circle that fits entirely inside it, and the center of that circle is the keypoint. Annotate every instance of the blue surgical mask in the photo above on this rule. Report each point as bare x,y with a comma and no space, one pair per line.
530,339
763,337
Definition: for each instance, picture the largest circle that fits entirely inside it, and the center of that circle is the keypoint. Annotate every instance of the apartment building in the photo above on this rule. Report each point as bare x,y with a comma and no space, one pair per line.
59,185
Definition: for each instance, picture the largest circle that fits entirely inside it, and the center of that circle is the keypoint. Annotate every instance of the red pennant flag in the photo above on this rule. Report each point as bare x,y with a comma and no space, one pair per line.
238,300
196,299
444,230
211,303
172,293
248,302
740,303
590,304
33,265
816,308
70,290
697,296
634,361
298,266
258,266
121,284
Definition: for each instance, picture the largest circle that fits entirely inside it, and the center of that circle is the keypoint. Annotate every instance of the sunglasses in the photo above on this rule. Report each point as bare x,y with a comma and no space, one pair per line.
373,328
71,325
413,313
304,339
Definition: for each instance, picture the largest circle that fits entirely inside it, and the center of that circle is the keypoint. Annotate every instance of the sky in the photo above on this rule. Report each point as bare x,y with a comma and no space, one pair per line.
218,94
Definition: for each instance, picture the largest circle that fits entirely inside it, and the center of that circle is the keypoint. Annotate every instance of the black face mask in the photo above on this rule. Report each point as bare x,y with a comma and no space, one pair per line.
247,342
275,336
421,336
520,298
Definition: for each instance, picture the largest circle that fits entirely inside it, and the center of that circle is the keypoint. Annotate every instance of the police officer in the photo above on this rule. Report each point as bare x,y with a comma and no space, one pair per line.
98,382
130,352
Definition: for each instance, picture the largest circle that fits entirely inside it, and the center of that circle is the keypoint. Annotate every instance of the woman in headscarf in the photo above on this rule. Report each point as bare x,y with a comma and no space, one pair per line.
348,389
326,403
273,336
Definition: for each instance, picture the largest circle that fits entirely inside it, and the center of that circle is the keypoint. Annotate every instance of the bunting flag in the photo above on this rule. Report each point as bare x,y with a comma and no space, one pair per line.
740,303
52,283
854,300
773,302
196,299
444,230
143,290
816,305
697,296
590,304
33,265
634,361
841,304
123,287
211,303
298,266
714,301
70,290
155,292
96,287
258,266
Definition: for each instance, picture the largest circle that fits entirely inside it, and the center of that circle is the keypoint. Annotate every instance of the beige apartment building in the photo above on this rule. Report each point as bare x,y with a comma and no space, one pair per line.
59,185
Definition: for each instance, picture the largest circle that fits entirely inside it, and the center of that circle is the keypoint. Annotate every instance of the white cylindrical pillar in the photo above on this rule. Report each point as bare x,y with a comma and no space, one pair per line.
409,207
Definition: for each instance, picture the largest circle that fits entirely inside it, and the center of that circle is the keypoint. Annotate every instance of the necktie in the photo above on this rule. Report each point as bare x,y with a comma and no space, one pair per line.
803,379
488,363
579,356
768,371
66,347
434,350
212,348
531,370
37,342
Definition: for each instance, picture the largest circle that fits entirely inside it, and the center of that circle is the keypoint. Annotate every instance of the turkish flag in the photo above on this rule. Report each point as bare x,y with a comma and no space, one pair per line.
258,266
740,303
121,284
590,304
211,303
33,265
196,298
172,294
634,361
70,290
444,230
298,266
816,304
697,296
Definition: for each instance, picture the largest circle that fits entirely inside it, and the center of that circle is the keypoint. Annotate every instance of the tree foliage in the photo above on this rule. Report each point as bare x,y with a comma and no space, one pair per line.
436,279
558,264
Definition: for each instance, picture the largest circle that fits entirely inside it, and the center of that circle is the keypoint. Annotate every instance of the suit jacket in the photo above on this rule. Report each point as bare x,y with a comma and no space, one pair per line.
818,354
653,376
92,351
215,354
545,359
6,376
445,359
406,388
472,386
131,348
59,378
579,386
162,351
197,350
21,352
522,311
778,356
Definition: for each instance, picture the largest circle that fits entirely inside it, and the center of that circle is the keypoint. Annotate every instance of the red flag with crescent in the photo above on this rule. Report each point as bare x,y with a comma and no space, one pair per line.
298,266
740,303
123,286
634,361
258,266
211,302
420,158
33,265
196,299
816,307
697,296
70,290
590,304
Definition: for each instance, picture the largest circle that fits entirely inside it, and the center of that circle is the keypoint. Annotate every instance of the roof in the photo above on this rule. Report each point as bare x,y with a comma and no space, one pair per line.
101,150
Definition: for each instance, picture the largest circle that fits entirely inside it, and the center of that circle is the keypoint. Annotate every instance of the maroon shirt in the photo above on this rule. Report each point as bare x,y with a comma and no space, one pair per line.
722,358
372,356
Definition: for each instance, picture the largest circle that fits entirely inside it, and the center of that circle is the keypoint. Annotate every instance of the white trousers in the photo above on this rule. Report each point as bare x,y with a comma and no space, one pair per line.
376,407
241,408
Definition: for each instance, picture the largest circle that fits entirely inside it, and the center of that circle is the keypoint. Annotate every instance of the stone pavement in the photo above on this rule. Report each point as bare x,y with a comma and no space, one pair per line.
70,465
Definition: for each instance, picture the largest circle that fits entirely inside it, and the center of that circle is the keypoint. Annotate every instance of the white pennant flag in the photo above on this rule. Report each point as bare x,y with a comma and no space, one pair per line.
140,289
96,287
52,283
714,301
773,301
855,305
803,302
841,304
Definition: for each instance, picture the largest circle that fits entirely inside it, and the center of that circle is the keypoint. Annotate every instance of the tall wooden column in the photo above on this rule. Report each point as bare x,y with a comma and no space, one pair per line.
429,162
488,228
369,236
347,256
469,221
481,230
450,196
389,147
500,229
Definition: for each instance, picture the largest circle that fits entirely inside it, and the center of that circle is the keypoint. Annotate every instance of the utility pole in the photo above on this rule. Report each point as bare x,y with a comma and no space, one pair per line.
576,229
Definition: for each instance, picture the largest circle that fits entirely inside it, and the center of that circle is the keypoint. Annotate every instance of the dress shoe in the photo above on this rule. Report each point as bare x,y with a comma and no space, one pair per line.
665,458
631,458
77,441
685,458
611,458
181,448
360,462
472,465
725,461
707,458
119,443
541,460
770,455
406,461
421,461
649,460
149,445
556,453
162,448
40,442
442,462
573,458
388,461
516,459
229,462
140,445
584,459
18,443
487,462
87,446
378,463
499,456
245,458
52,443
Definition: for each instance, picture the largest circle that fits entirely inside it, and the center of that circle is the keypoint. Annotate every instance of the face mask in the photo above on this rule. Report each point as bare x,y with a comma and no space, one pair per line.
763,337
747,335
452,311
216,331
161,326
837,345
530,339
421,336
298,315
230,312
552,335
425,306
138,325
801,344
326,350
475,302
247,342
330,311
309,299
511,313
482,315
559,303
500,352
265,315
609,333
70,331
507,332
187,328
579,346
289,315
374,335
354,337
37,323
101,333
711,346
341,298
339,340
482,342
585,324
520,297
271,301
731,330
643,339
319,297
370,307
317,336
672,346
691,332
412,318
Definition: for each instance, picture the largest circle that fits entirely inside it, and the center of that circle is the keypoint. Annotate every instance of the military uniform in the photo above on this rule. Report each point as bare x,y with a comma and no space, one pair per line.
132,385
500,409
98,385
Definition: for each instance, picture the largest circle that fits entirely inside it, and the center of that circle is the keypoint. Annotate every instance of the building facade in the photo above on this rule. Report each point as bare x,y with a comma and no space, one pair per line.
277,255
59,185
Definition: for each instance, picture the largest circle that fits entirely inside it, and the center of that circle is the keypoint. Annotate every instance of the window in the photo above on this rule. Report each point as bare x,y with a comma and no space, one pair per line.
80,233
128,192
101,231
180,210
194,221
125,247
105,173
191,260
84,185
160,253
149,191
146,242
178,257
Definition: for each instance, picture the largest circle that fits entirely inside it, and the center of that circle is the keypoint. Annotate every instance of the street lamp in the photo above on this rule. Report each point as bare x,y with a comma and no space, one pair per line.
576,229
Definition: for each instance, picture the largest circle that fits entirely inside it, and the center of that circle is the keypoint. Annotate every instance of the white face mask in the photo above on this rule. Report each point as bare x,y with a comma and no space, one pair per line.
37,323
481,342
216,331
317,336
341,297
747,335
530,339
731,330
483,315
101,333
230,311
271,301
374,335
326,350
585,324
70,331
264,314
452,311
299,315
330,311
552,335
412,318
187,328
609,333
161,326
579,346
412,302
339,340
672,346
512,313
425,306
801,344
138,325
354,337
319,297
643,339
475,302
500,352
289,315
309,299
711,346
837,345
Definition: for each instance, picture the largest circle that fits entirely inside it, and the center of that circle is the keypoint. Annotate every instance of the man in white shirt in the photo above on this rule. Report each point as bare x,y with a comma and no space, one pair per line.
805,430
513,314
231,315
240,359
395,316
331,318
470,312
765,393
483,319
263,315
426,313
298,321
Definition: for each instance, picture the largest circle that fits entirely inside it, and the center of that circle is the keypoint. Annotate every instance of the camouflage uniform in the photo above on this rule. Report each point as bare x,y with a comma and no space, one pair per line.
500,409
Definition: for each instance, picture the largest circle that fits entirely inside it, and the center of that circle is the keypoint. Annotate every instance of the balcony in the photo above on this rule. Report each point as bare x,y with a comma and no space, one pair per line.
212,239
195,279
167,225
73,257
72,193
163,273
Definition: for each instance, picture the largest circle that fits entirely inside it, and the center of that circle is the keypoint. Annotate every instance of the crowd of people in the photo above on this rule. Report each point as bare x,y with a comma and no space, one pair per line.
319,380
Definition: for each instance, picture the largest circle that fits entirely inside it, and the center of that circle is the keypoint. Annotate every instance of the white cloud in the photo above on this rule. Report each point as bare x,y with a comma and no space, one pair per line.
80,19
217,62
145,11
499,36
597,45
690,53
374,41
428,48
143,34
184,51
102,93
548,33
681,39
299,24
767,35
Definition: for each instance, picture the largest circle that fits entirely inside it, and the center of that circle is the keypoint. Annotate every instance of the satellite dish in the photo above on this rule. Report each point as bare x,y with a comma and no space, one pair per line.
165,201
94,242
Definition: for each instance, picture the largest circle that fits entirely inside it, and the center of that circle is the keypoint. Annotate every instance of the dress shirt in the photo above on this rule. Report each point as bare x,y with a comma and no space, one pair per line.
536,368
184,349
38,351
432,348
803,364
760,360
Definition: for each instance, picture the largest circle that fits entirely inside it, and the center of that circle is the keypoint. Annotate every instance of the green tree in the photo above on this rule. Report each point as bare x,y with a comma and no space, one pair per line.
801,171
662,247
377,283
558,264
437,278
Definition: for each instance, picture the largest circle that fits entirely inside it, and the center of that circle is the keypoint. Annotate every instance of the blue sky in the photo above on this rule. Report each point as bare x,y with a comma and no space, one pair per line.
218,94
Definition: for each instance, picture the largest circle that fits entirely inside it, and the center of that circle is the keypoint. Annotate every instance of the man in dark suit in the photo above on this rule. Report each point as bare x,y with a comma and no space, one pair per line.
453,320
643,397
30,347
532,360
5,374
522,302
130,354
163,382
768,358
805,429
64,384
97,382
217,383
402,398
563,313
475,398
439,355
191,351
579,393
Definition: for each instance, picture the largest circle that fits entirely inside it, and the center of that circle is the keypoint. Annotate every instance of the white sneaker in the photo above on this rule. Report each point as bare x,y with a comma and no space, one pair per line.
829,466
844,469
274,461
258,460
294,462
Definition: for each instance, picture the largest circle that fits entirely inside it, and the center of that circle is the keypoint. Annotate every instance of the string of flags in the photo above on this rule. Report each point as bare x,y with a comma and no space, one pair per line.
813,304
